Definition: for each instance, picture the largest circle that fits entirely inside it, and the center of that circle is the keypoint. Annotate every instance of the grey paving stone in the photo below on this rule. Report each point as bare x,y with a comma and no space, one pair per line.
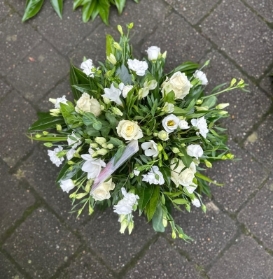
14,200
116,249
193,10
86,267
41,174
240,178
211,232
47,246
260,143
257,214
8,270
16,41
244,260
244,37
65,34
38,72
4,88
246,108
156,264
267,84
180,40
15,118
4,10
263,7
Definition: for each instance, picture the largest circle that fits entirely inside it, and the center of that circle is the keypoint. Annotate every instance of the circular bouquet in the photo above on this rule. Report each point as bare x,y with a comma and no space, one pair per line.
136,138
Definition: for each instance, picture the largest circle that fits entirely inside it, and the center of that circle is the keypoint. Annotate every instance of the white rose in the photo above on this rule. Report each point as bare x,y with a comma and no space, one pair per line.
150,148
195,150
180,177
153,52
129,130
170,123
179,84
95,107
67,185
137,66
201,76
102,192
83,104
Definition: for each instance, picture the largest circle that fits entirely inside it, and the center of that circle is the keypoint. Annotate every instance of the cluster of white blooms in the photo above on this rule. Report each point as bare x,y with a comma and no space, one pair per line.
87,67
201,125
154,176
53,155
125,205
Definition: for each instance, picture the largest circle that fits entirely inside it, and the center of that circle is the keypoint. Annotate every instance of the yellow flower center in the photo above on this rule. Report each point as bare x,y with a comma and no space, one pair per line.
129,130
171,123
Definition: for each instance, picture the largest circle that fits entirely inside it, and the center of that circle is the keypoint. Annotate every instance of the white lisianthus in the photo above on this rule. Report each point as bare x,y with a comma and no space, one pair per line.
150,148
201,125
196,202
168,107
195,150
125,205
153,52
126,89
137,66
170,123
163,135
70,153
201,76
183,124
143,92
151,84
67,185
184,177
113,94
73,140
87,67
102,192
92,166
179,84
129,130
53,156
154,176
57,101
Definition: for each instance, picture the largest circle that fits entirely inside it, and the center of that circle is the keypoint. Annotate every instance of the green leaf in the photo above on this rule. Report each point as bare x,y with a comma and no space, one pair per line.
46,121
90,119
120,4
145,194
115,141
180,201
152,204
157,220
170,97
202,176
57,6
77,77
88,9
119,153
124,75
209,102
77,3
109,45
111,119
68,172
186,159
104,8
32,8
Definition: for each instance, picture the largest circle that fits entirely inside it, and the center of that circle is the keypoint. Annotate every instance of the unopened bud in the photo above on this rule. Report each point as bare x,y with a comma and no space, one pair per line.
123,226
93,145
199,102
100,140
112,59
164,55
173,234
53,101
130,227
130,25
48,144
175,150
163,135
117,46
116,111
208,164
45,133
37,136
223,112
58,127
110,146
222,106
102,151
120,29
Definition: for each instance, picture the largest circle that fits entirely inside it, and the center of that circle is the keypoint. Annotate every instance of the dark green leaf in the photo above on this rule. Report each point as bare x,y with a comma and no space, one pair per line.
46,121
88,9
209,102
104,8
145,194
120,5
115,141
152,204
57,6
157,220
111,119
77,77
186,159
32,8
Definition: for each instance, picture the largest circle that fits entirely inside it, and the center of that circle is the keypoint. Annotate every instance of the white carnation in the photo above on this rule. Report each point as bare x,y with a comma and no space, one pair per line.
137,66
154,176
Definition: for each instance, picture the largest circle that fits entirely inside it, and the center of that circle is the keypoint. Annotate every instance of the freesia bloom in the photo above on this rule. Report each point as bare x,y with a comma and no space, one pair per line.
53,156
102,192
154,176
57,101
125,206
92,166
87,67
113,94
201,76
67,185
137,66
195,150
201,125
153,52
150,148
73,140
129,130
170,123
179,84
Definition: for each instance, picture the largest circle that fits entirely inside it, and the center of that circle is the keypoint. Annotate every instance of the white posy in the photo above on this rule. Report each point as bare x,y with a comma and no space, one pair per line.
57,101
201,125
195,150
170,123
150,148
179,84
125,205
102,192
87,67
129,130
54,157
92,166
153,52
73,140
137,66
201,76
113,94
154,176
67,185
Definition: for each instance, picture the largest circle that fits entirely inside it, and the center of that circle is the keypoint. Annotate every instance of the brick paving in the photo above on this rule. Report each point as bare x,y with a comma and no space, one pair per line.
39,238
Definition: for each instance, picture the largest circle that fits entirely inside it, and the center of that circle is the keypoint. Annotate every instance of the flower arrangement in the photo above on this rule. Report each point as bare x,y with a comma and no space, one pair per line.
136,138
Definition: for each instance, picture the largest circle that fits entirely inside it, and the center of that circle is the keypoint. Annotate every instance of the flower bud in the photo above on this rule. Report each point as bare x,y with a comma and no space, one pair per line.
102,151
100,140
59,127
230,156
45,133
130,227
53,101
164,55
164,222
116,111
48,144
222,106
130,25
173,234
94,145
163,135
104,145
70,163
123,226
208,164
112,59
223,112
37,136
117,46
110,146
199,102
168,107
54,112
175,150
120,30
